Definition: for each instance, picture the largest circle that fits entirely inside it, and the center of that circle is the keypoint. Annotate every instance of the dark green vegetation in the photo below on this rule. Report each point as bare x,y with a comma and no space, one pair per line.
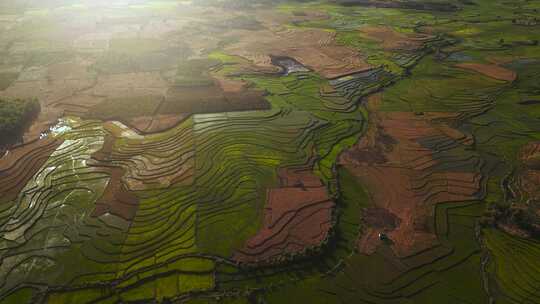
202,185
15,116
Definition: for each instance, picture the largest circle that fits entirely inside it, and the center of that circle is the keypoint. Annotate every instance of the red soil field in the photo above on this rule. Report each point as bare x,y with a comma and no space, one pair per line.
155,124
530,155
490,70
398,173
300,177
529,175
116,199
23,162
148,163
315,49
297,216
392,40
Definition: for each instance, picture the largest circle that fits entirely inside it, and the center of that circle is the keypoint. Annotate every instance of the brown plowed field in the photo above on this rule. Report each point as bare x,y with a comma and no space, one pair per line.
315,49
530,155
148,162
157,123
490,70
73,68
392,40
529,175
301,177
295,218
116,199
23,162
400,177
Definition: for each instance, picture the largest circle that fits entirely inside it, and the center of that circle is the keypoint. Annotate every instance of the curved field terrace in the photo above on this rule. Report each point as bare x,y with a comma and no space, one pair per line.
228,151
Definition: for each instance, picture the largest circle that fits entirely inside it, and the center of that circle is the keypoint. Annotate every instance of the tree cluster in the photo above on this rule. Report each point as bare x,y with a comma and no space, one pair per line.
15,116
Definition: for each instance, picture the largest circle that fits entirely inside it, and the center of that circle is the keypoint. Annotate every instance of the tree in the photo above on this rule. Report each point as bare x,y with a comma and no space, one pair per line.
15,116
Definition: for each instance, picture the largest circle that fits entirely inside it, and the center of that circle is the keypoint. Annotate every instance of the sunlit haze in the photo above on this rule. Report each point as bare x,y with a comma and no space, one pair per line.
270,151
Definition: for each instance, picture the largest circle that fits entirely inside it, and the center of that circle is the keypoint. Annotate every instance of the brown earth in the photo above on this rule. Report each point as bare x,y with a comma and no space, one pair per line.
490,70
230,85
273,19
398,173
157,123
23,162
54,85
315,49
78,105
149,161
500,60
392,40
380,218
299,177
297,216
116,198
530,155
130,84
513,229
528,178
75,82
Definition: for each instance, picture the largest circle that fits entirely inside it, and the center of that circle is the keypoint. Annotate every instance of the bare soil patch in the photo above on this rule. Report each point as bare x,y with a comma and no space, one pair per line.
299,177
398,172
116,199
297,216
149,162
274,20
528,177
130,84
490,70
530,155
315,49
392,40
380,218
23,162
157,123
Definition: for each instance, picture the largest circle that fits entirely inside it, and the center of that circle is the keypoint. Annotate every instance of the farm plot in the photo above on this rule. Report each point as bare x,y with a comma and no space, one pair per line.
56,198
408,166
20,164
297,217
313,48
391,40
154,256
176,198
151,161
446,271
60,216
492,71
249,147
514,267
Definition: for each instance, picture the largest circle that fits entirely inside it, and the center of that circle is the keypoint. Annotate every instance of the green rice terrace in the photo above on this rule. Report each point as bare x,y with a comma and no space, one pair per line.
270,151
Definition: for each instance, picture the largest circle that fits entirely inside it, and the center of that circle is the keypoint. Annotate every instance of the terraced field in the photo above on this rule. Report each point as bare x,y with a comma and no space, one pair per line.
272,152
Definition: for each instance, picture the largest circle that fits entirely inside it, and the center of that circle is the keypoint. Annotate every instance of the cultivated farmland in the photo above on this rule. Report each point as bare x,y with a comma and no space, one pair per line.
229,151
